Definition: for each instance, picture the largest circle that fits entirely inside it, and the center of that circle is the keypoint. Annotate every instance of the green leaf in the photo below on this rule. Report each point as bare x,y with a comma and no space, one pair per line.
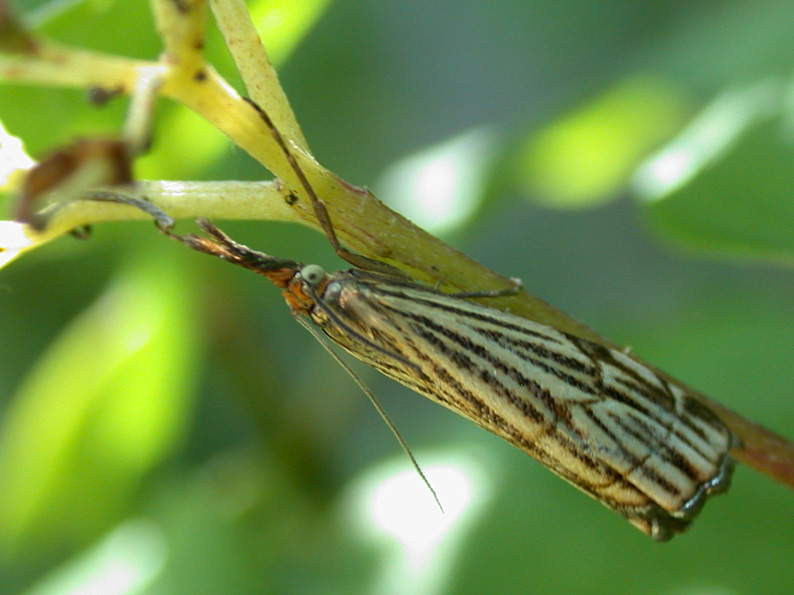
105,404
131,556
726,185
588,154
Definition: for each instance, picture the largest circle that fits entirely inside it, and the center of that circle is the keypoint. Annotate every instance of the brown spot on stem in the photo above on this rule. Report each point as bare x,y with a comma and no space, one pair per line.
182,6
99,96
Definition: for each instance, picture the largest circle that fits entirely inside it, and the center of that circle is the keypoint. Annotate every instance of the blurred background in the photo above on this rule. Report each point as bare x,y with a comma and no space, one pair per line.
167,428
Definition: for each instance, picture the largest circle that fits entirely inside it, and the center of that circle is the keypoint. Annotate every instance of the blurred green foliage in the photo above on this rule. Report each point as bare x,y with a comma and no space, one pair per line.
163,422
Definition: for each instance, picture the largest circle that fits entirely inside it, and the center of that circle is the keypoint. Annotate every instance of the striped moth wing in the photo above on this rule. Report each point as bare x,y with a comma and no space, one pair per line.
595,416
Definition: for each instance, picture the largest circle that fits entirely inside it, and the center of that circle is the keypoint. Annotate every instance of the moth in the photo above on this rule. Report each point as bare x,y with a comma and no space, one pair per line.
600,419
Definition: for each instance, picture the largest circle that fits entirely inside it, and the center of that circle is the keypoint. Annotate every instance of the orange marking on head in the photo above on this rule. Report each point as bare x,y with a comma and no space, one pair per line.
281,278
297,298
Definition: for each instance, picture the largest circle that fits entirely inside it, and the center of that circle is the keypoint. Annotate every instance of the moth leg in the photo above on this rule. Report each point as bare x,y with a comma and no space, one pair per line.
320,210
357,260
162,220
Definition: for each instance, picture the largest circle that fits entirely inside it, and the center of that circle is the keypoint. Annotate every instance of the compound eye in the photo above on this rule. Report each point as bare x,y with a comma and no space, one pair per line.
313,274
